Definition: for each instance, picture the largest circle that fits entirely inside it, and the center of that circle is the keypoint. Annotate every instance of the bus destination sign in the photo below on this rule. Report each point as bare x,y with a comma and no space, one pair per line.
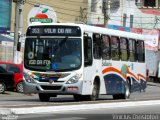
54,31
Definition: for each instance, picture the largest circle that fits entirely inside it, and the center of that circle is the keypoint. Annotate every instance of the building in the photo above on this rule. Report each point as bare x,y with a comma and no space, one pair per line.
148,3
128,13
66,10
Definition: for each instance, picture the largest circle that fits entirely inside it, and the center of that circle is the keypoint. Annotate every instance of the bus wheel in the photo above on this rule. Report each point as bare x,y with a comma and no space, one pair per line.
2,88
43,97
127,91
126,94
95,93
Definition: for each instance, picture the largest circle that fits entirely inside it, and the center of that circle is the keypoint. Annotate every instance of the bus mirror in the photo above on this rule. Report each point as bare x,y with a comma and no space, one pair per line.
19,46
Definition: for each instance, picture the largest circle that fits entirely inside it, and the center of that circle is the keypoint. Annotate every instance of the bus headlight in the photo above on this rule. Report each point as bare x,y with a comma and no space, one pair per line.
74,79
28,78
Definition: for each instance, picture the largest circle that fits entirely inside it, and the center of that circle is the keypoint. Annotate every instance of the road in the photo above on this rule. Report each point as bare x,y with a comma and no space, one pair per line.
127,113
12,99
19,104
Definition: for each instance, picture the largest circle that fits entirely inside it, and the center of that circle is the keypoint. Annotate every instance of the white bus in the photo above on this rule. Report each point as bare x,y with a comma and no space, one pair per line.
83,61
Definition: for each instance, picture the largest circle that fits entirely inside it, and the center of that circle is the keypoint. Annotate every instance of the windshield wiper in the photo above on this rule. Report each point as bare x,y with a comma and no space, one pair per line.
63,41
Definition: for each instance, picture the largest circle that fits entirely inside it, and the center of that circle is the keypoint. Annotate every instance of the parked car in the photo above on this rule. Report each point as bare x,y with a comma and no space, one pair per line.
6,80
17,69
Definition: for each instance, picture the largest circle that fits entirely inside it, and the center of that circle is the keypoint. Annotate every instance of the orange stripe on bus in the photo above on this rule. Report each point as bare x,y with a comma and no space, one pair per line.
111,69
142,76
133,75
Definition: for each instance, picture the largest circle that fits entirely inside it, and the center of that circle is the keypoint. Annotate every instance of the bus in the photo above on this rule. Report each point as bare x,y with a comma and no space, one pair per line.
83,61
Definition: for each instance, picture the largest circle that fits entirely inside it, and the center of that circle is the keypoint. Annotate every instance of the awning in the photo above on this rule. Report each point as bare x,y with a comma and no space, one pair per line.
6,38
151,11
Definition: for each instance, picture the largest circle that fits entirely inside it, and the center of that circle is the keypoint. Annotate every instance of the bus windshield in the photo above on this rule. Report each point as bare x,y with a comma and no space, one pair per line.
52,54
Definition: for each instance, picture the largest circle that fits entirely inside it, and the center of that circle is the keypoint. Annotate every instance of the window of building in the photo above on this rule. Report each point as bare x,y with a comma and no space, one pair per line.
151,3
115,51
96,46
132,50
140,51
124,49
106,47
93,5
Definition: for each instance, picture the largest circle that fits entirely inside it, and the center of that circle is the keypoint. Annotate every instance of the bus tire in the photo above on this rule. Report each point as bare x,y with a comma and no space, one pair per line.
127,91
95,93
43,97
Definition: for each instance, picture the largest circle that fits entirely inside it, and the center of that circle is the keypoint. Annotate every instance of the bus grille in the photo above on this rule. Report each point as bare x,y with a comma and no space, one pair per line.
48,81
50,87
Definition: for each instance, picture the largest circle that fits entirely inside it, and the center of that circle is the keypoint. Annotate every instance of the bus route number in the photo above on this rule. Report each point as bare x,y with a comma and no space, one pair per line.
35,30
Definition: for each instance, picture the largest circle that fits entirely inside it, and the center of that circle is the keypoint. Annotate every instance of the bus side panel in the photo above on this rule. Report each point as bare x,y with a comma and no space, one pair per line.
90,73
135,85
116,75
114,84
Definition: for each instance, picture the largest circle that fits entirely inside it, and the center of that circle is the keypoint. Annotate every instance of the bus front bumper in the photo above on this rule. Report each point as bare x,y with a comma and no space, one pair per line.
69,89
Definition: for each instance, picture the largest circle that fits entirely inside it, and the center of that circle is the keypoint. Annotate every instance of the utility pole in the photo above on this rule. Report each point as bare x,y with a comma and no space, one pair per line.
106,11
18,30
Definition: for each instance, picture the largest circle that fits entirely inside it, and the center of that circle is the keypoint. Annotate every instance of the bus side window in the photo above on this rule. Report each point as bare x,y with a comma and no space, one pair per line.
132,50
96,46
106,47
87,51
115,53
140,51
124,49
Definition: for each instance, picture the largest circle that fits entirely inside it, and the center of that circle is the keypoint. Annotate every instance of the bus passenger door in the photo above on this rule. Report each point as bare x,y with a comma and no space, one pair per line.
88,61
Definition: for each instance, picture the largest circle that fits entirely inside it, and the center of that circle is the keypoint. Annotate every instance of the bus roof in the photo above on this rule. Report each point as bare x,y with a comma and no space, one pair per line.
95,29
112,32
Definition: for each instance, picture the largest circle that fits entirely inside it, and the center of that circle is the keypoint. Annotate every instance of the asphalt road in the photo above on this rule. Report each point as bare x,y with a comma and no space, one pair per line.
13,99
127,113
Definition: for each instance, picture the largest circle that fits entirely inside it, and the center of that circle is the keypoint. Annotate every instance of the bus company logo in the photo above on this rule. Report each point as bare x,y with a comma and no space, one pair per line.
51,81
41,17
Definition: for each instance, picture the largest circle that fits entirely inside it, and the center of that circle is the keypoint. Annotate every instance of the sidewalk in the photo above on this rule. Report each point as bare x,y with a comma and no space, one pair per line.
153,84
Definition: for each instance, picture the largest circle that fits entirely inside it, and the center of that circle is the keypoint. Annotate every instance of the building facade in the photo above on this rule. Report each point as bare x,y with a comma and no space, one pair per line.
66,10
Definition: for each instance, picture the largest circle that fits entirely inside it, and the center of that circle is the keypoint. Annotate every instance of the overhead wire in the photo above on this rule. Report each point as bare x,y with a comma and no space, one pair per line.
73,10
33,3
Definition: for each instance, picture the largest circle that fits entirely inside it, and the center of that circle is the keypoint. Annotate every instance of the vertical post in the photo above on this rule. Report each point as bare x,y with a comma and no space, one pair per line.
17,29
106,11
89,21
122,10
131,21
124,19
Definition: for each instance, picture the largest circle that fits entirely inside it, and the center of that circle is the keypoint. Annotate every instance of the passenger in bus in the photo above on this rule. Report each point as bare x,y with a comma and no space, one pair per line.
105,47
123,48
115,49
